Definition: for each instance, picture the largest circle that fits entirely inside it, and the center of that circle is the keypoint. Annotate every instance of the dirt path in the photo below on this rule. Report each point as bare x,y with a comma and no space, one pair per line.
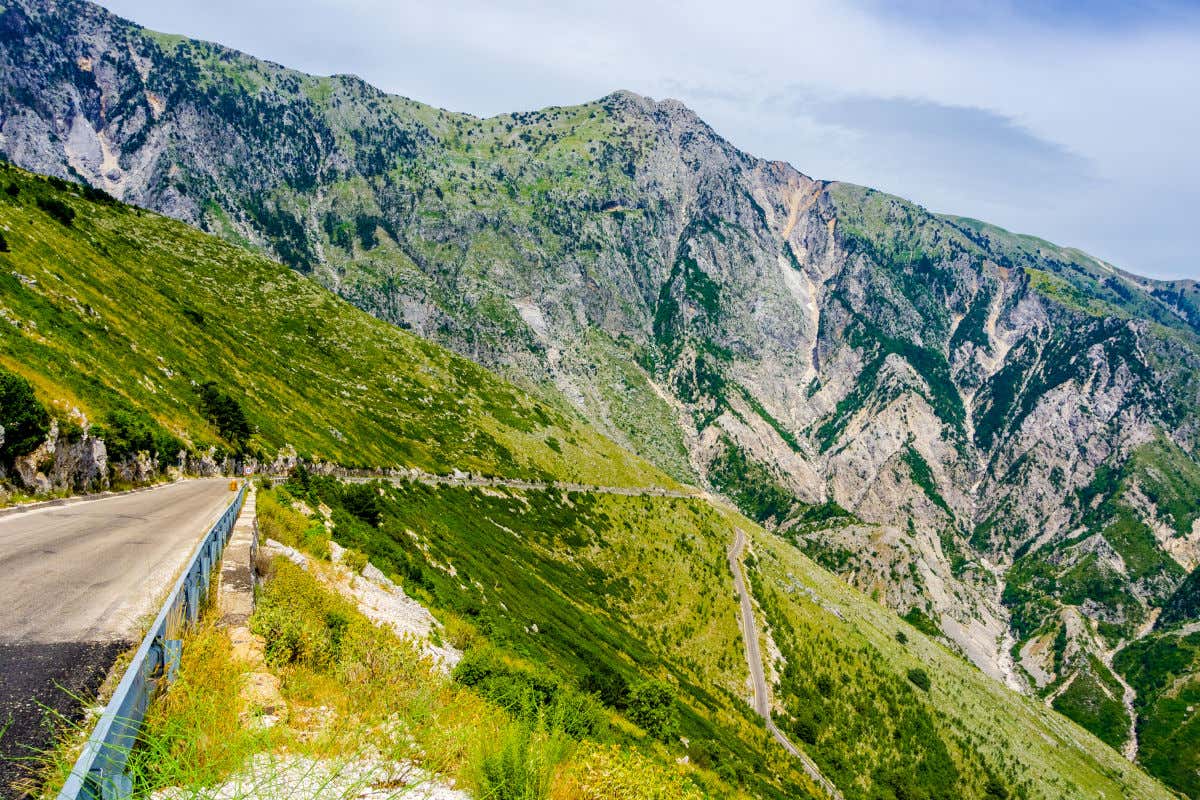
762,700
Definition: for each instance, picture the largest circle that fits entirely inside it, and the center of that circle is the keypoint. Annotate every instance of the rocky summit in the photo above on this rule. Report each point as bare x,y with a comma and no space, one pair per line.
994,435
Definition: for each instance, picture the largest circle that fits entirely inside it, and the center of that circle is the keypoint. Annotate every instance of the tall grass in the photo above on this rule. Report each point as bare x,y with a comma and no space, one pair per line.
520,764
195,733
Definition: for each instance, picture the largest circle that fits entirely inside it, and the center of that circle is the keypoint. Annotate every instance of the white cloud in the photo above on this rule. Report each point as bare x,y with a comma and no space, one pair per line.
1078,128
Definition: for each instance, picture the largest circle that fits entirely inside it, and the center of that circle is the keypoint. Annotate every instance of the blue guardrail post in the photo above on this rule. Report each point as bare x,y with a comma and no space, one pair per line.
99,772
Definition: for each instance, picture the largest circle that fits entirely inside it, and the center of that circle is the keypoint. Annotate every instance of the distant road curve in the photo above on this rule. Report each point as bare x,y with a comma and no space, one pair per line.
762,700
78,580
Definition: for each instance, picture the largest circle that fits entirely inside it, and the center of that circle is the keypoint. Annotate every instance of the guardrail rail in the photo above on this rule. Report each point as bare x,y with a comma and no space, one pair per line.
99,772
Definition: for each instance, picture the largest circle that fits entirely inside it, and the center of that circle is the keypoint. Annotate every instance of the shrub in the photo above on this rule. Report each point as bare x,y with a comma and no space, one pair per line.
299,480
302,624
919,678
3,244
607,684
98,196
530,696
355,560
652,707
25,421
57,209
458,632
284,524
519,766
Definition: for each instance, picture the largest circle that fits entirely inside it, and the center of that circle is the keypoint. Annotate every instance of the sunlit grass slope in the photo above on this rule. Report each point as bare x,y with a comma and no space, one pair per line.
850,692
580,583
106,307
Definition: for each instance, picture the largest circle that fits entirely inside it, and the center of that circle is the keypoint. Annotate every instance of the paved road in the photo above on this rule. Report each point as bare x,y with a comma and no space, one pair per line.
762,700
77,582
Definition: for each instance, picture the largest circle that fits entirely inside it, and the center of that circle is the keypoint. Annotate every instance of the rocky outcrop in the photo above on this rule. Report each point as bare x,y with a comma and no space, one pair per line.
68,461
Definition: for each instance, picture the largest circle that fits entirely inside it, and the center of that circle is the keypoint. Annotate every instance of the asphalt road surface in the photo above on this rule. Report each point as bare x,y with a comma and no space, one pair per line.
77,584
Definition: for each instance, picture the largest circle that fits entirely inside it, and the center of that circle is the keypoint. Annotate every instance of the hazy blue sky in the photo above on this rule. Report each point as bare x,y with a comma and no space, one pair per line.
1078,121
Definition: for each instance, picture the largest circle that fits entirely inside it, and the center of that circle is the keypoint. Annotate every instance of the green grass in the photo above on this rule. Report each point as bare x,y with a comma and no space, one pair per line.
596,590
124,309
639,586
848,690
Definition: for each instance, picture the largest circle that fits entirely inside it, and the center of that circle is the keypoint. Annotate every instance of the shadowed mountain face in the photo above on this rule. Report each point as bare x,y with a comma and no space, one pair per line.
996,434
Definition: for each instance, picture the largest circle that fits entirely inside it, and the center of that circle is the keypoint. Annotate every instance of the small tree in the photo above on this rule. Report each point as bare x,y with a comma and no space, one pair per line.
225,413
652,707
919,678
24,420
362,500
57,209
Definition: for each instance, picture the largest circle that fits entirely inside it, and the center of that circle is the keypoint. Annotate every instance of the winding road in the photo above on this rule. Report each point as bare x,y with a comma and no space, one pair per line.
762,699
78,581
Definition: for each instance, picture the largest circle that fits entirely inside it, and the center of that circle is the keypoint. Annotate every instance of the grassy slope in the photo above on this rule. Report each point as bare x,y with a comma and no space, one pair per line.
988,731
583,583
127,307
641,583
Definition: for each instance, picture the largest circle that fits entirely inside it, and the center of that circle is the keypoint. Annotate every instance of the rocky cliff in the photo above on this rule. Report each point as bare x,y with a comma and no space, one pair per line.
997,435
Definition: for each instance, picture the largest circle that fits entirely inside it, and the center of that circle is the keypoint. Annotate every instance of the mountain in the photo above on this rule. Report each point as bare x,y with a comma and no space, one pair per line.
120,314
995,435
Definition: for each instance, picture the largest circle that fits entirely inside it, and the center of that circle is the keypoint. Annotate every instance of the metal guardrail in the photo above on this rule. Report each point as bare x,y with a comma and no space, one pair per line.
99,772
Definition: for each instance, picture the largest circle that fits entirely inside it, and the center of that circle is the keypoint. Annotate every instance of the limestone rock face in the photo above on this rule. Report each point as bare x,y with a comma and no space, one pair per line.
984,427
72,461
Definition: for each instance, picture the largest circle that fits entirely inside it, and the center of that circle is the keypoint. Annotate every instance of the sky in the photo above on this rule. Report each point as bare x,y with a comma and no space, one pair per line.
1075,121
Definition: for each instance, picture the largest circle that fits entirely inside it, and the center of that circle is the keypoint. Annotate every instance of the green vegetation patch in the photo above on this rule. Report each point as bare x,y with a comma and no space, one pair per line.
1094,701
626,598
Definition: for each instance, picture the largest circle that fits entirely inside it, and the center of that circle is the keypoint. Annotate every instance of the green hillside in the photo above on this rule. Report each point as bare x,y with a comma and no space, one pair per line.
602,591
118,312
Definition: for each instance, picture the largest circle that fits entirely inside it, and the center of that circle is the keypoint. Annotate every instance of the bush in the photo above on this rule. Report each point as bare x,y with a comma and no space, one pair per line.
919,678
458,632
225,413
302,624
652,707
57,209
127,431
279,521
3,244
25,420
607,684
355,560
98,196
